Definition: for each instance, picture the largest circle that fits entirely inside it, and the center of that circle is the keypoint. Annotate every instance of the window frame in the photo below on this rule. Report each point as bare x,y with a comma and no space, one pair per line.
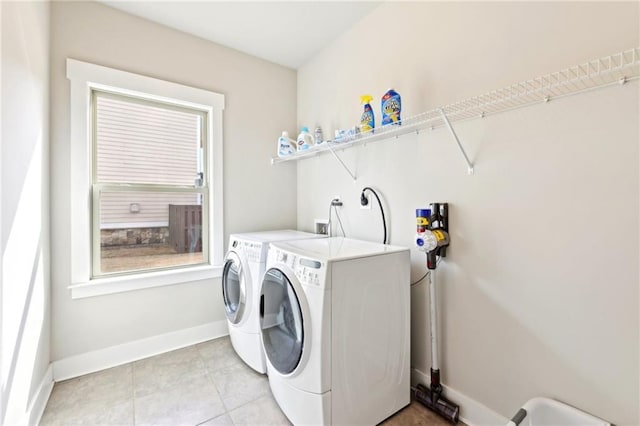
84,79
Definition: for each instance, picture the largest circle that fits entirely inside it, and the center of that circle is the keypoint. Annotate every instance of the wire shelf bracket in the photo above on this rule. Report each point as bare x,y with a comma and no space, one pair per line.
344,166
613,70
455,136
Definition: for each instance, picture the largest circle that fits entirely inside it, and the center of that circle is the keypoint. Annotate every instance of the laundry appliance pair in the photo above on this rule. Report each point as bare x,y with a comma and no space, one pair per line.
244,266
328,319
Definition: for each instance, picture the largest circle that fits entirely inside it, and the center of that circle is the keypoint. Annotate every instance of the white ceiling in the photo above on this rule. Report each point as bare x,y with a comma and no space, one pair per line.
287,33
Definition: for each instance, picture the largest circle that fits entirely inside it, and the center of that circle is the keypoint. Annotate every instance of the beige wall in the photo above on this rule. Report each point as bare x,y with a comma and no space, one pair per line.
24,232
260,103
539,293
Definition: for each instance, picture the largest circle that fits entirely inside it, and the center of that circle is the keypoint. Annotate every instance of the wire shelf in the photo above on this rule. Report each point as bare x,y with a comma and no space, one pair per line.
610,70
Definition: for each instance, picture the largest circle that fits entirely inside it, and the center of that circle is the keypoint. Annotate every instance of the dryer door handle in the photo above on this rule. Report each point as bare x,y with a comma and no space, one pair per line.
262,306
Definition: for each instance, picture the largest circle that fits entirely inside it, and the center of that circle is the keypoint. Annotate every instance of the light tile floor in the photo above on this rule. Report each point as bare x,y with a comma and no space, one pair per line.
204,384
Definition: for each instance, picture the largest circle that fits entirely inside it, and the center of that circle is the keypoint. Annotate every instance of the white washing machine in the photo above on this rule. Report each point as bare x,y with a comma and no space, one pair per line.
335,323
244,265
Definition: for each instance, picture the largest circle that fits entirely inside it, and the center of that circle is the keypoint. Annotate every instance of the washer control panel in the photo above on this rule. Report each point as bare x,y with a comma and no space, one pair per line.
252,250
308,271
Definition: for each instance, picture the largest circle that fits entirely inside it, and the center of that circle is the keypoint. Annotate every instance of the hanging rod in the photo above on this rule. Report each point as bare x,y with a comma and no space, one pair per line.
615,69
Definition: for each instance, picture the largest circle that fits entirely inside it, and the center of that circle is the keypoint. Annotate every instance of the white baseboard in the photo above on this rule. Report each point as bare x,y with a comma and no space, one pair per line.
39,401
113,356
472,412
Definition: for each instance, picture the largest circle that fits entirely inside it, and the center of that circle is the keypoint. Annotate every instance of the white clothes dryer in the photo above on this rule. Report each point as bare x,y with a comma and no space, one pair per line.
244,265
335,324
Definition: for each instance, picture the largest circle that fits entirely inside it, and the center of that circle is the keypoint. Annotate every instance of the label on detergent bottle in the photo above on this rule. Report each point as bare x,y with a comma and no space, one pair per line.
391,105
286,146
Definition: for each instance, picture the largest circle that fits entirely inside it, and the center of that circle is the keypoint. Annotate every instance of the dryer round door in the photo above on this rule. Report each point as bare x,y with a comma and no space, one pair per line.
281,322
234,291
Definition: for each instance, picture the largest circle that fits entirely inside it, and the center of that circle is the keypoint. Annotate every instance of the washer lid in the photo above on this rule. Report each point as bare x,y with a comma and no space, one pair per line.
336,248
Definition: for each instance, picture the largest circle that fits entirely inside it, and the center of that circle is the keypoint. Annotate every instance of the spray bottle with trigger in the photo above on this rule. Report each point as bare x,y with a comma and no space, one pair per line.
367,120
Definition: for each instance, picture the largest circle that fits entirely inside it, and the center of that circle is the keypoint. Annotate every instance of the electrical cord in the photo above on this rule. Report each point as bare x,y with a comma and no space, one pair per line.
421,278
331,204
339,221
384,222
426,273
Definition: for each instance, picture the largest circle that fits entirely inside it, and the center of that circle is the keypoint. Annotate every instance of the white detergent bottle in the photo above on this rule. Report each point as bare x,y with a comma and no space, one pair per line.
305,140
286,145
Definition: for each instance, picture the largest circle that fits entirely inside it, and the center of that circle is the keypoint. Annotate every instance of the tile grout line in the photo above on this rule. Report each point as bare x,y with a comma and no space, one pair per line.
206,370
228,412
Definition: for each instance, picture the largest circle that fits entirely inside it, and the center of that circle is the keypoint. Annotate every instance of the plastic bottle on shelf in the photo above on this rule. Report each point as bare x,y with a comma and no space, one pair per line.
367,120
317,136
305,140
286,145
391,106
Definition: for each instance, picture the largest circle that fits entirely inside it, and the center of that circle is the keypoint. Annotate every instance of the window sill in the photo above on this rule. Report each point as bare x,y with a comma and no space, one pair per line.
120,284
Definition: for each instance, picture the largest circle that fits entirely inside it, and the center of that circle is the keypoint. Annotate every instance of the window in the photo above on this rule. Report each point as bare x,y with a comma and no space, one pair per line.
149,199
146,181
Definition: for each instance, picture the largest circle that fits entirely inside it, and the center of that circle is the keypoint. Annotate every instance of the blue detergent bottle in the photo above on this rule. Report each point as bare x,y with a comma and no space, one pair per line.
367,120
391,106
